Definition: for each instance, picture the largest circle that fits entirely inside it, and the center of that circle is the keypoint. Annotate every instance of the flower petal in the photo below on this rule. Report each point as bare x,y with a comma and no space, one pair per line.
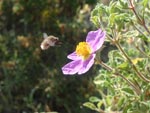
73,56
87,64
96,39
72,67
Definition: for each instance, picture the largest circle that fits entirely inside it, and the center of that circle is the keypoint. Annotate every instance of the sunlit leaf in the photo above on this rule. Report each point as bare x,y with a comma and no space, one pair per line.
123,65
112,19
90,105
100,103
94,99
136,60
145,2
109,100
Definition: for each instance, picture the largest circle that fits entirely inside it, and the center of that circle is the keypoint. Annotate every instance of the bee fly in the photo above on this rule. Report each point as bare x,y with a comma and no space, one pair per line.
49,41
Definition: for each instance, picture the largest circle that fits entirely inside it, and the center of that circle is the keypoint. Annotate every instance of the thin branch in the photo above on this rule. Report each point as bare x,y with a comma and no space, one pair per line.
142,52
137,90
139,30
140,75
142,21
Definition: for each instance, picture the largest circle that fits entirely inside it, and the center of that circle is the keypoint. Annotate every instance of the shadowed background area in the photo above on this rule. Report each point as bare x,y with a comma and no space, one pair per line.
31,79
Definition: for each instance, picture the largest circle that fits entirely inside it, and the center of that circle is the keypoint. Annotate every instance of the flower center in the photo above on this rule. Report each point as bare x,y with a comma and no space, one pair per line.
83,49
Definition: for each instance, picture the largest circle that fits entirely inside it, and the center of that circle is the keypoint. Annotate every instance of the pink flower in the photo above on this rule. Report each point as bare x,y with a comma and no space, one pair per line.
83,57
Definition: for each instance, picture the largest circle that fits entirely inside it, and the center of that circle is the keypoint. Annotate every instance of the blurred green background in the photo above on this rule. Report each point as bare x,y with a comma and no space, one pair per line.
31,79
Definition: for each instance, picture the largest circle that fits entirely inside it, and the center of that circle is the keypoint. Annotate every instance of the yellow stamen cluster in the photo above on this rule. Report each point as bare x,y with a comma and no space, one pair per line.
83,49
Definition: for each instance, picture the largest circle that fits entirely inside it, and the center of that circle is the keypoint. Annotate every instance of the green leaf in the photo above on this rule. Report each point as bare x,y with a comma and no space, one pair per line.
100,103
136,60
94,99
123,65
129,34
121,101
128,91
134,111
112,7
144,107
148,103
99,10
94,19
94,12
123,17
144,38
115,7
108,100
145,2
123,3
127,108
90,105
112,19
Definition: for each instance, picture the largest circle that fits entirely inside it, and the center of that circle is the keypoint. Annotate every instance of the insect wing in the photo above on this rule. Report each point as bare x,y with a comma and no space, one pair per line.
45,44
45,35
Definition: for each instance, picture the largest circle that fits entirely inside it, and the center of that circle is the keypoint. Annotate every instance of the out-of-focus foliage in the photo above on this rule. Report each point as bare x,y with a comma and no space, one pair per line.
124,84
30,79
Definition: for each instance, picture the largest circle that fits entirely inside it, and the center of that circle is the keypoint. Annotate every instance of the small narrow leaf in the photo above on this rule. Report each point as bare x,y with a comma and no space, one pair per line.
100,103
132,33
90,105
94,99
124,65
128,91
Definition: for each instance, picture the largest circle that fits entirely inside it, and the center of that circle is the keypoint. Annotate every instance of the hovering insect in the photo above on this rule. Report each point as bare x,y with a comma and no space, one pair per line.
49,41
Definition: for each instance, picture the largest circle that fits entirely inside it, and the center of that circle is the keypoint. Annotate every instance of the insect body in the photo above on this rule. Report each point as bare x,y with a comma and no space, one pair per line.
49,41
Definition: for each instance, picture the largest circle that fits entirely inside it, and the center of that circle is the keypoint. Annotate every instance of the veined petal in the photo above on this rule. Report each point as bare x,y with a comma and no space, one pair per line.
72,67
96,39
73,56
87,64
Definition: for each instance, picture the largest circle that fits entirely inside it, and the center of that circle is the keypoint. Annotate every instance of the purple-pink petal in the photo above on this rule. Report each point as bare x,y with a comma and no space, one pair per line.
87,64
73,56
72,67
96,39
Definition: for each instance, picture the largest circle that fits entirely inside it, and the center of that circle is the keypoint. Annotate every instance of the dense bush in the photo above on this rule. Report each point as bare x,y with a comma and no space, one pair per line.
124,81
